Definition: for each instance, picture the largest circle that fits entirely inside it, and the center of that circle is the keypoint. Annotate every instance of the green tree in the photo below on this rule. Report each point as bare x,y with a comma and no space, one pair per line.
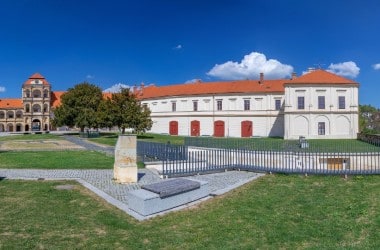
369,119
125,111
79,106
105,114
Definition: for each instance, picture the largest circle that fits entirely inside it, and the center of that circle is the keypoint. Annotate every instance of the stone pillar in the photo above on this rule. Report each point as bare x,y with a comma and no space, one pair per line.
125,167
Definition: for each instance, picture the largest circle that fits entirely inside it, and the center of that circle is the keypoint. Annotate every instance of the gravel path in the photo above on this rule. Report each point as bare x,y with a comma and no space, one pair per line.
90,145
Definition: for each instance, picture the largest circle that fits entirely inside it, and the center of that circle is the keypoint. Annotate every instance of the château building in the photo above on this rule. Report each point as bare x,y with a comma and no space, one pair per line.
317,105
33,111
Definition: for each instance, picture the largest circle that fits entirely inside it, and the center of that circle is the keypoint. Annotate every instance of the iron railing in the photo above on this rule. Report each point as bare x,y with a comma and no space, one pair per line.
257,155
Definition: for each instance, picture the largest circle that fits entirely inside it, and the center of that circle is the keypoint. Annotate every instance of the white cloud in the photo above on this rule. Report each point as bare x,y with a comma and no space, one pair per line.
116,88
376,66
346,69
193,80
250,67
90,76
178,47
2,89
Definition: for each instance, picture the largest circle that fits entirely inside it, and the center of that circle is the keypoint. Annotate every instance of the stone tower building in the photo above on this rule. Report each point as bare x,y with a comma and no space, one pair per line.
32,112
36,93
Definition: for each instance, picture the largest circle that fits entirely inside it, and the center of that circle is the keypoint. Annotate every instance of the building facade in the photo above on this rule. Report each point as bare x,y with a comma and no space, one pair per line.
33,111
317,105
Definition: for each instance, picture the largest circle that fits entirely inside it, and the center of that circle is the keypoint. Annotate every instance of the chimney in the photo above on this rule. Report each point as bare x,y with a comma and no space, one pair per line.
294,75
261,78
142,89
310,69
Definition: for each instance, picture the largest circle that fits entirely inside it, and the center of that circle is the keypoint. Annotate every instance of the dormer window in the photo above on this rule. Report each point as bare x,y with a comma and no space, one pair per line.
37,81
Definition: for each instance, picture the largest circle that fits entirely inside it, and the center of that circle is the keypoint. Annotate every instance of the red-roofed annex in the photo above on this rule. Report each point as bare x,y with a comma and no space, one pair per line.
318,104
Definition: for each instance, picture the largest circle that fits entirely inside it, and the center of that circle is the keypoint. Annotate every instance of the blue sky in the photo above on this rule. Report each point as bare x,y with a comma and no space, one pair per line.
172,41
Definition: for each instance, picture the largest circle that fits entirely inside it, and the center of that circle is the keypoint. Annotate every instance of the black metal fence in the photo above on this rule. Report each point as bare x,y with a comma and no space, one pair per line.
154,151
203,155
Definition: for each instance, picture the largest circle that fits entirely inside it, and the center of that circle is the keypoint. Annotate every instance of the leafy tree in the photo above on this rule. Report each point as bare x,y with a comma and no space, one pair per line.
125,111
369,119
79,106
105,114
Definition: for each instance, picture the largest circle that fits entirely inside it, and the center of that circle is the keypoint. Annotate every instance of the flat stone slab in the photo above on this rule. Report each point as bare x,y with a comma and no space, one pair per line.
145,202
64,187
172,187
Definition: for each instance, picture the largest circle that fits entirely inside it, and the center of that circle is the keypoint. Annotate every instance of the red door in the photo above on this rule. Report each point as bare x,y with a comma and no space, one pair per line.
246,129
195,128
173,128
219,128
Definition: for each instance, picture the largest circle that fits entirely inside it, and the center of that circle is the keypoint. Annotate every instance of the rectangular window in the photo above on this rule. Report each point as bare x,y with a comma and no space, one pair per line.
277,104
219,105
195,105
321,102
301,102
321,128
247,104
342,102
174,106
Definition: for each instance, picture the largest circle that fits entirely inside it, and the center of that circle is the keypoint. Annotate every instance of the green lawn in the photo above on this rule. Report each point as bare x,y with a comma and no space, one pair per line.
274,144
274,212
278,144
78,159
30,137
111,138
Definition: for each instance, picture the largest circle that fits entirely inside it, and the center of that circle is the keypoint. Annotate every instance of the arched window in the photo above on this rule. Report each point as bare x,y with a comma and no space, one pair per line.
18,114
36,93
45,108
27,108
46,93
27,93
2,114
36,108
10,114
10,127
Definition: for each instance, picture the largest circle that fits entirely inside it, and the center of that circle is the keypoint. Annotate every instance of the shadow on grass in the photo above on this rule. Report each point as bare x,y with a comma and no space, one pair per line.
142,137
2,178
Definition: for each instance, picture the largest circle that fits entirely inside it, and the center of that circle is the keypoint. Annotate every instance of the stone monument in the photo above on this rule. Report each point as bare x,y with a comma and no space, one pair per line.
125,167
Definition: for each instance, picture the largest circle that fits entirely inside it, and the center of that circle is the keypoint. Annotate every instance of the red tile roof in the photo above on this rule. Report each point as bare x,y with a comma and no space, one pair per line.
36,76
241,86
107,95
10,103
210,88
320,76
55,99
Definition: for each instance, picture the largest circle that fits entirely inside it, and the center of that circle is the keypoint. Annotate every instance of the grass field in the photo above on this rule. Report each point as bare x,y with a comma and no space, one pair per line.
273,212
70,159
111,138
274,144
30,137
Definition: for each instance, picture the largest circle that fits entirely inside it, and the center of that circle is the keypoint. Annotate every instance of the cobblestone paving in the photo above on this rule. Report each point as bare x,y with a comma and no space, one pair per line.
102,179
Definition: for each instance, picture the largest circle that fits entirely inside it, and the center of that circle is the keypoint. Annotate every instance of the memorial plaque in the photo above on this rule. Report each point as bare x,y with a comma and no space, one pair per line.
125,166
172,187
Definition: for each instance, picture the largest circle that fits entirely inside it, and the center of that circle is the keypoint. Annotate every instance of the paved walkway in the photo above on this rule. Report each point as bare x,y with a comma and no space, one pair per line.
100,181
90,145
